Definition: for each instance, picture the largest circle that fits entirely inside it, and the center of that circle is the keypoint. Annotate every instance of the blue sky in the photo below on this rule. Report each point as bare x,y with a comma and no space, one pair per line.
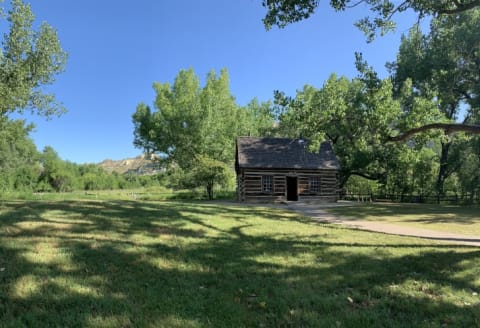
117,49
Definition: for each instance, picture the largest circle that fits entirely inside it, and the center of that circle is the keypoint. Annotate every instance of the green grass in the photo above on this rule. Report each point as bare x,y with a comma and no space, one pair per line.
127,263
448,218
148,193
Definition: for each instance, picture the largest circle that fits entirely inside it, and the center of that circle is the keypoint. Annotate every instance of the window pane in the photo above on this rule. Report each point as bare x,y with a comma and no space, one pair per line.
314,184
267,183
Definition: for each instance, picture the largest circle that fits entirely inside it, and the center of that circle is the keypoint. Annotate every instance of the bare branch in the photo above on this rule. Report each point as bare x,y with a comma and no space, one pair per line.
447,127
355,4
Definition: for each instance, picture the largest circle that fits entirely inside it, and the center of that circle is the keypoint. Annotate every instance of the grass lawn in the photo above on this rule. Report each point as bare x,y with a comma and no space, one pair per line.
449,218
142,193
100,263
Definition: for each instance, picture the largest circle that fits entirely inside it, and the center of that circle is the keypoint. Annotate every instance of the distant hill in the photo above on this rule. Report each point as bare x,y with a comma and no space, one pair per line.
141,165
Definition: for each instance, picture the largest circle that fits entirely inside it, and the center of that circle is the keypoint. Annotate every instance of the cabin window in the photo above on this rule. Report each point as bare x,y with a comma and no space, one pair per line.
314,184
267,183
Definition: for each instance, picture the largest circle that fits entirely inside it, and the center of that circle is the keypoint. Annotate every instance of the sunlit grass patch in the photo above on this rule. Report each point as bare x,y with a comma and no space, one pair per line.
120,263
447,218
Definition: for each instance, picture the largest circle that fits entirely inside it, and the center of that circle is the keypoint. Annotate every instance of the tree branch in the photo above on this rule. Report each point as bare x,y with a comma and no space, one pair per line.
447,127
355,4
397,9
373,177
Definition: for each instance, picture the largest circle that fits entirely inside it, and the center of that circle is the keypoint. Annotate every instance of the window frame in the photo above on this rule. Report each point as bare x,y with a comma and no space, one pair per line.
314,184
267,183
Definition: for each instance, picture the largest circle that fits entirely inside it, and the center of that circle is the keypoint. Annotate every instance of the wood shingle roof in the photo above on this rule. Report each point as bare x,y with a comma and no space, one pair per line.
283,153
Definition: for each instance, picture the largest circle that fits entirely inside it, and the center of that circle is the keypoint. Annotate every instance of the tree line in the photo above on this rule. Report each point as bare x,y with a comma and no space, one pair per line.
30,59
420,139
25,169
414,132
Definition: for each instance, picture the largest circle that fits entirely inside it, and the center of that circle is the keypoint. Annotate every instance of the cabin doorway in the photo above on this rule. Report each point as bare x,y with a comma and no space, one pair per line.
292,188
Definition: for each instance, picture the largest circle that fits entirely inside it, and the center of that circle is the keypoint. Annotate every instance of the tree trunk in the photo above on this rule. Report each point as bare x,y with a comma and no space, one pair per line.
342,180
472,194
443,170
210,191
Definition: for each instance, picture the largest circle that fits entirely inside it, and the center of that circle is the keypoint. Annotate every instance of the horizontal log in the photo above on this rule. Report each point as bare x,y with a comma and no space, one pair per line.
290,173
260,194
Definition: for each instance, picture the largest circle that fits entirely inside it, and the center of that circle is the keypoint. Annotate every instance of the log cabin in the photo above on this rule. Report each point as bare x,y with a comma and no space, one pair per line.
283,169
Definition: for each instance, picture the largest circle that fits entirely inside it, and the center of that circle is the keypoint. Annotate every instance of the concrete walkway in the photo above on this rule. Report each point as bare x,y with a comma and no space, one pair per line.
319,213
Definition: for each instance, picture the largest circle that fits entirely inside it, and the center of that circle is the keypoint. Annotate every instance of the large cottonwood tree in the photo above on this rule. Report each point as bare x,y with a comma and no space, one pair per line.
283,12
442,66
189,120
196,127
29,60
356,116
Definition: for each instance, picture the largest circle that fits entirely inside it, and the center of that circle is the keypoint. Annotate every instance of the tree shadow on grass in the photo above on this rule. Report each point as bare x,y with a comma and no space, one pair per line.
424,213
170,264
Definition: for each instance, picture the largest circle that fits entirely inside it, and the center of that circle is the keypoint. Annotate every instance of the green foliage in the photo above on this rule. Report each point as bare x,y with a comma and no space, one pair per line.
193,127
19,165
22,168
413,172
434,79
16,148
437,76
257,119
283,12
210,172
56,172
29,60
442,65
189,121
357,185
469,173
355,118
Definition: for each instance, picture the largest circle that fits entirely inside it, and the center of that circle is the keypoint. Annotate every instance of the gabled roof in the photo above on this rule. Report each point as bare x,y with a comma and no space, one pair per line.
283,153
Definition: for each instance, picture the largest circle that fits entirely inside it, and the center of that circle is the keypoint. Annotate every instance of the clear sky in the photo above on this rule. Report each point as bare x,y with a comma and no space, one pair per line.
117,49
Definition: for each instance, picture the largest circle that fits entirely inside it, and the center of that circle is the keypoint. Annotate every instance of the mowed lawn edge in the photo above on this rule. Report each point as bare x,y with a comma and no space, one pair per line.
199,264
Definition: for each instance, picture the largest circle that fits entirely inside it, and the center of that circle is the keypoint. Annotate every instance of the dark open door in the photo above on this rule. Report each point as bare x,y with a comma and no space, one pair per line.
292,190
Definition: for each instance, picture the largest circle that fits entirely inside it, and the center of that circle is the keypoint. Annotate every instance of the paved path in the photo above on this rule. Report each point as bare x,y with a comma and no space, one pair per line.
319,213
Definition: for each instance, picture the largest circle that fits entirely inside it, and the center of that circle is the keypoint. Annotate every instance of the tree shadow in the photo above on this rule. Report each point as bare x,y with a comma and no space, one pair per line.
426,213
172,264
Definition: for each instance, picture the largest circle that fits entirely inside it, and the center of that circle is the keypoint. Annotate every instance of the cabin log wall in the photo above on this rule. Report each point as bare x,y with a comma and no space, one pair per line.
250,187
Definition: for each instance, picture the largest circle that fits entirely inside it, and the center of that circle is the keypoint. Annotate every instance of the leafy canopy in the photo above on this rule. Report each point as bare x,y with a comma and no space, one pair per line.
353,115
29,60
189,121
283,12
195,128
